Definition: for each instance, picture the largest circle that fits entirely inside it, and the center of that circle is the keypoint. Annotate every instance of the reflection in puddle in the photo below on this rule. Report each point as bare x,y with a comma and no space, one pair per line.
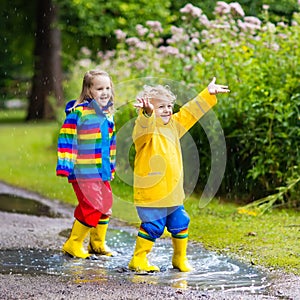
212,271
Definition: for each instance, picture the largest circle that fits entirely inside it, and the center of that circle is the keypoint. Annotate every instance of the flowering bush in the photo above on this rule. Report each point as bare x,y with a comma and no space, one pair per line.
259,60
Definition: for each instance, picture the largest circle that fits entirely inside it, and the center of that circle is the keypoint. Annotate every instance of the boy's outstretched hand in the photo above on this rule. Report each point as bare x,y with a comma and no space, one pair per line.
214,88
145,104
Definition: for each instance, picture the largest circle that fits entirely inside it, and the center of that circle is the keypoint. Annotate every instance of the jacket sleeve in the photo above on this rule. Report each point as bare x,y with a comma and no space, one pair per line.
113,152
143,128
193,110
67,145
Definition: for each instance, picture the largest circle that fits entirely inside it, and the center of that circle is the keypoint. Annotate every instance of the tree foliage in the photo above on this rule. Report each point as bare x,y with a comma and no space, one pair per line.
92,24
16,47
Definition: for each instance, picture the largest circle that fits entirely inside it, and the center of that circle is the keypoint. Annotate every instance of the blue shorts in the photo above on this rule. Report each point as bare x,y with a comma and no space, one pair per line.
154,220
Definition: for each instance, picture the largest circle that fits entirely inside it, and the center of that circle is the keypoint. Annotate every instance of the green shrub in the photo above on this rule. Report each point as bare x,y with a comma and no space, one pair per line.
259,60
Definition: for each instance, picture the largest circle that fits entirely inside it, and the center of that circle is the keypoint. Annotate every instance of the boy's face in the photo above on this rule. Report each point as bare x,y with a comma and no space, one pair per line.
163,109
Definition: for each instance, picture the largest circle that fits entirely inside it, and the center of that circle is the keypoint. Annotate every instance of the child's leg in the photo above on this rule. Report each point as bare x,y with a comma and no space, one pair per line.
94,199
98,236
74,245
86,217
85,211
177,224
149,231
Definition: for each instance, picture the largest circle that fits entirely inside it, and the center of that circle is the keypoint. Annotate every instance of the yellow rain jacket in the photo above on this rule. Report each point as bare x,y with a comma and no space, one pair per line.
158,169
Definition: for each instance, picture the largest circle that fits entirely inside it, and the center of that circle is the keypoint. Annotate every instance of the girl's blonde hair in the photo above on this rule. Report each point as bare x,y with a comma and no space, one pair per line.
159,92
88,82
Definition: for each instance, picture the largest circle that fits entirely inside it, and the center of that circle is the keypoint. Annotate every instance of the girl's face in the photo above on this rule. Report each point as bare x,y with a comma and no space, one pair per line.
101,90
163,109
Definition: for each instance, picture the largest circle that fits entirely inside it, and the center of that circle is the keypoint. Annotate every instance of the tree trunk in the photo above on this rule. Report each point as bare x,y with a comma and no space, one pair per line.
47,90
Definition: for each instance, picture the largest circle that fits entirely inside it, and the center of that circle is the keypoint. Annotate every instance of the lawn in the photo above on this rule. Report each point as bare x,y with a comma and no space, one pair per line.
28,160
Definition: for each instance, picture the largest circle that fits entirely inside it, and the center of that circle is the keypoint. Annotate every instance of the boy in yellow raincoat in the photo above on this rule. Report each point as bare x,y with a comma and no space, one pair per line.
158,170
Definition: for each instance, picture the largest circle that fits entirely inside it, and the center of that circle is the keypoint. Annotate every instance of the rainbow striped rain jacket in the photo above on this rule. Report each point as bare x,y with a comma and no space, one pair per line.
86,143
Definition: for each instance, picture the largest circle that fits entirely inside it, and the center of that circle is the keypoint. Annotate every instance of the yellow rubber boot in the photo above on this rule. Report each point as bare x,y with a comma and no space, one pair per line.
74,245
97,241
139,261
179,260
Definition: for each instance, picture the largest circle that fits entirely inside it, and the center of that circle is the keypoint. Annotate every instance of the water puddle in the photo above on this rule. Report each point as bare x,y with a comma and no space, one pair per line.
212,271
16,204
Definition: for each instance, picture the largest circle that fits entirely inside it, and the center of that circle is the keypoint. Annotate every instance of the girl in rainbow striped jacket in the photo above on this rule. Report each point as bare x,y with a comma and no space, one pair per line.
86,156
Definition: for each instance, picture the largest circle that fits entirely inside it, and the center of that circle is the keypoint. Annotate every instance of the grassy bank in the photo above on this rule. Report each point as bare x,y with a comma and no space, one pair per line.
28,160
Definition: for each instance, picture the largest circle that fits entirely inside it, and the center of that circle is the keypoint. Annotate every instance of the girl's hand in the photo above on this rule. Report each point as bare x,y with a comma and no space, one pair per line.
214,88
145,104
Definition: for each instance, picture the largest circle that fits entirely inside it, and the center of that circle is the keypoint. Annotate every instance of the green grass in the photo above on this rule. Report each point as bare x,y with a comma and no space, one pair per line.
270,240
28,160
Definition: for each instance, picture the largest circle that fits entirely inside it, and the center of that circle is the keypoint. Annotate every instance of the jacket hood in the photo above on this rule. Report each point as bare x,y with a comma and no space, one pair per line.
89,101
70,104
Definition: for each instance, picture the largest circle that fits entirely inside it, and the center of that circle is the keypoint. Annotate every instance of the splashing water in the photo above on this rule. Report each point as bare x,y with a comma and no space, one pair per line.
212,271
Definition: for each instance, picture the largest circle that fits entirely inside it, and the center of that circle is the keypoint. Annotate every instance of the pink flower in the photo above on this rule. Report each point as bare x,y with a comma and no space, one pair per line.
283,36
281,24
178,35
192,10
176,30
100,54
121,35
141,45
133,41
195,34
199,58
141,30
270,27
85,62
265,7
223,25
242,25
215,41
109,54
86,51
247,26
204,33
236,8
195,41
253,20
188,68
273,46
222,8
204,20
139,65
169,50
155,26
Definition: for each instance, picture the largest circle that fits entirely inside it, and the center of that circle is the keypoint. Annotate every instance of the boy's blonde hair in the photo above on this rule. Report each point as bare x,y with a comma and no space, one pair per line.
158,92
88,82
